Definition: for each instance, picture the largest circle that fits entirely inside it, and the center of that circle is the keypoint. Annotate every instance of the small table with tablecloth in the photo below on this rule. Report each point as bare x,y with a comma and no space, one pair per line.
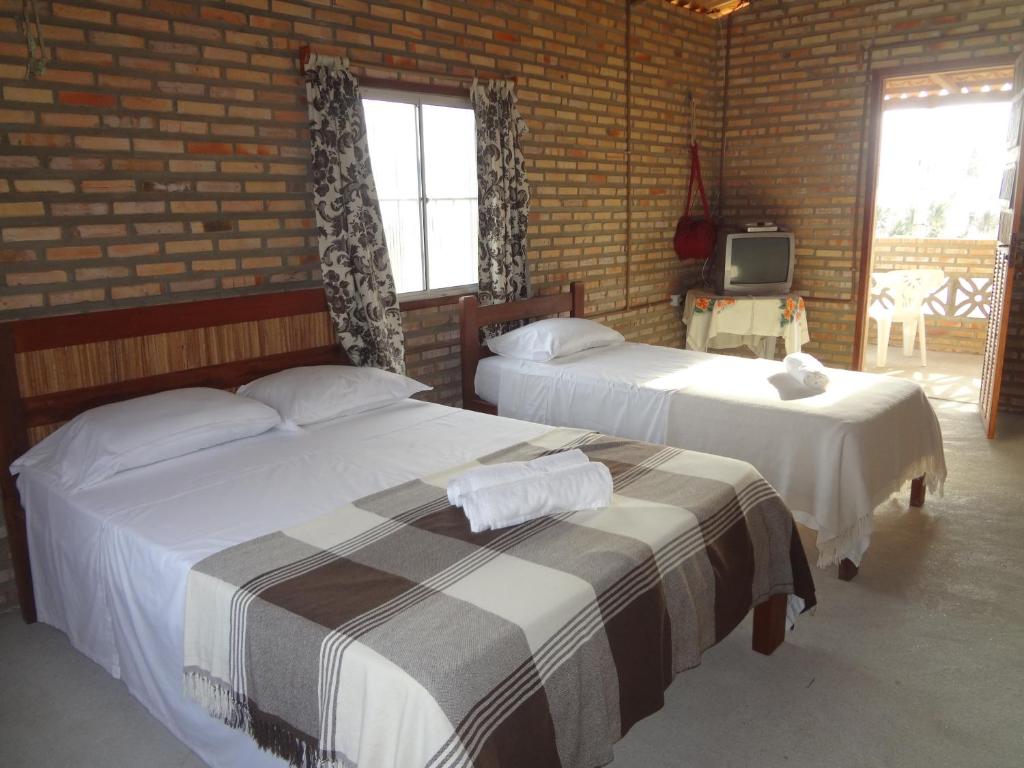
722,322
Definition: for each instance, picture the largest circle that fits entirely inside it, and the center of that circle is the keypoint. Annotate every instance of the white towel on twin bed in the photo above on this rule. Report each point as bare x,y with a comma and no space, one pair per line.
511,471
584,486
806,369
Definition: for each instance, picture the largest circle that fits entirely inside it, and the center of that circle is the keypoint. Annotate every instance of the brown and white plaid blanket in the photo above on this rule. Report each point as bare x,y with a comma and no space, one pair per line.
387,634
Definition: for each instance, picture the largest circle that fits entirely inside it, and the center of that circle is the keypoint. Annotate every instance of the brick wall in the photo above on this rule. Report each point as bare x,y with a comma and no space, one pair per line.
960,260
796,123
163,156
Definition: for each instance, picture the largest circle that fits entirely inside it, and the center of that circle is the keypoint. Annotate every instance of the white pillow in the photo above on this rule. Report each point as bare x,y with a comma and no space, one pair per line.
555,337
318,392
99,443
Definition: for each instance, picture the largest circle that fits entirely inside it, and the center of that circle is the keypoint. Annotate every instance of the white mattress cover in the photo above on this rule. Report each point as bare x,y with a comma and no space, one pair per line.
833,456
110,563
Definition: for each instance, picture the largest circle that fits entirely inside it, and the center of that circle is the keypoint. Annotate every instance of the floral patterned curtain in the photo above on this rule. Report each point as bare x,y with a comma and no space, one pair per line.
504,196
354,259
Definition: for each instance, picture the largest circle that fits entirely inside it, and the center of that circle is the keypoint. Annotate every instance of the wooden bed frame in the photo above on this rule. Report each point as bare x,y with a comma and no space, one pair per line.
53,368
472,317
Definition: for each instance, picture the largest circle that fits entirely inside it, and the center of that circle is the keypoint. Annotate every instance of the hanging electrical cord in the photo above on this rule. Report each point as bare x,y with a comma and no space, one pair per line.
37,60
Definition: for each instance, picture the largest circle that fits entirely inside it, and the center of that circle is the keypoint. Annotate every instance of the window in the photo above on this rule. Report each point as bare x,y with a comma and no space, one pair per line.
423,151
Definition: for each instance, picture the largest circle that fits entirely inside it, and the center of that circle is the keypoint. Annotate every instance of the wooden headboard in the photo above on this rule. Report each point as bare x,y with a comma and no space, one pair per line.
473,317
53,368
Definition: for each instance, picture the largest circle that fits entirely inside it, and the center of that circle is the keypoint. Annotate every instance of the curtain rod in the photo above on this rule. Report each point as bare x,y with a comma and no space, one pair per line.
306,51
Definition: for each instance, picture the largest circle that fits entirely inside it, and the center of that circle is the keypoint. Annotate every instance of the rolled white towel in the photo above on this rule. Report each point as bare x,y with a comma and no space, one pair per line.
510,471
585,486
806,369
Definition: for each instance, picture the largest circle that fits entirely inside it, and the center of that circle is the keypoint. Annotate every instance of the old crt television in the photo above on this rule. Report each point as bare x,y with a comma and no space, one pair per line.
753,263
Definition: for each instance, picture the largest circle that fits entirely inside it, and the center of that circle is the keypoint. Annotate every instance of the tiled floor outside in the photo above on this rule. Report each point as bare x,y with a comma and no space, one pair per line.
948,375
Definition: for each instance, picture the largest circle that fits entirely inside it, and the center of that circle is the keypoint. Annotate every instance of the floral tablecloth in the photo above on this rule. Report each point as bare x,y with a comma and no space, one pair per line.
722,322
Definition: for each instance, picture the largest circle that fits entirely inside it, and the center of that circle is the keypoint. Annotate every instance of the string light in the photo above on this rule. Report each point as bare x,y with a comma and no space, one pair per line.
923,94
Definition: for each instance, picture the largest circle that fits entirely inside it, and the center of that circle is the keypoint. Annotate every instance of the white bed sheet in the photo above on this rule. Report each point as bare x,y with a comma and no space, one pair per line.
833,456
110,564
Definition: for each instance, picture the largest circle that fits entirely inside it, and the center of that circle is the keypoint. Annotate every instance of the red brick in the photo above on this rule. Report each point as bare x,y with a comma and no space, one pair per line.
209,148
83,99
66,11
116,40
37,278
20,116
85,274
79,210
188,246
149,24
73,252
21,93
146,103
25,234
17,301
160,269
166,146
62,186
21,209
119,292
132,250
103,143
19,139
69,120
222,15
139,207
80,296
108,186
100,231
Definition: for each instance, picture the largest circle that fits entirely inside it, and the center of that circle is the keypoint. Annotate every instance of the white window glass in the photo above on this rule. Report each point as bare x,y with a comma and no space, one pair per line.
424,166
449,157
391,130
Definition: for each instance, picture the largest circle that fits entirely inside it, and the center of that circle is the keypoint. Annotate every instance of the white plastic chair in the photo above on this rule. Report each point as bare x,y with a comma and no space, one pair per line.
899,297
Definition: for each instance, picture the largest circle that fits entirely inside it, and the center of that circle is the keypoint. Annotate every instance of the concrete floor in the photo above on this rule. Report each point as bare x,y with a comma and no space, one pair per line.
916,663
948,375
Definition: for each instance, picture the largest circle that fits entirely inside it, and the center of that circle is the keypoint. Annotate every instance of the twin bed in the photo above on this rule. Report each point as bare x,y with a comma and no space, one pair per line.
834,456
315,592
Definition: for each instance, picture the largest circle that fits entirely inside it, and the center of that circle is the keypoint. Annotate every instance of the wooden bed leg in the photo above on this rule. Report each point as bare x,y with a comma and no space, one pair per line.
770,624
847,570
917,491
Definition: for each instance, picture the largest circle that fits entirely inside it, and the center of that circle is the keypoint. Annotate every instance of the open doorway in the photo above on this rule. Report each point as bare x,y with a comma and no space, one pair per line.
941,161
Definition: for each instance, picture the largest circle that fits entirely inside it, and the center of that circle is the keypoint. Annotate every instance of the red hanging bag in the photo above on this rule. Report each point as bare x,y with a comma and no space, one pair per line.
695,238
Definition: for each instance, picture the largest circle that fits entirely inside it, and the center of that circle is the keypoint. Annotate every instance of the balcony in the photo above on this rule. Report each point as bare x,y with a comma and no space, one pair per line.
956,314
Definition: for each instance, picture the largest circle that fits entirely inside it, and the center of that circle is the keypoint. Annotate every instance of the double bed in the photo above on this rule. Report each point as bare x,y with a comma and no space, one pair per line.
562,634
834,456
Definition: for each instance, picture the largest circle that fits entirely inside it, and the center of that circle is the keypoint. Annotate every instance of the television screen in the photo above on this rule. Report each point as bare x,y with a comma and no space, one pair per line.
759,260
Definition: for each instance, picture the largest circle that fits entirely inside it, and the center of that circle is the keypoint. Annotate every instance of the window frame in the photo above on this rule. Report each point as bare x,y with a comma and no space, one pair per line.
420,99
